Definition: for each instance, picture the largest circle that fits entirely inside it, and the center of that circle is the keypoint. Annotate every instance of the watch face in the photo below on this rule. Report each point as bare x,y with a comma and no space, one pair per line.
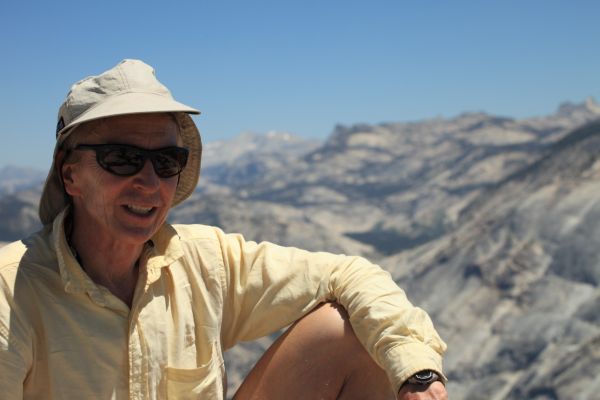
424,375
423,378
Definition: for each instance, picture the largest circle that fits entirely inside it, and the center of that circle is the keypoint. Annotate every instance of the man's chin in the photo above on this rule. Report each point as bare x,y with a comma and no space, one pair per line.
138,235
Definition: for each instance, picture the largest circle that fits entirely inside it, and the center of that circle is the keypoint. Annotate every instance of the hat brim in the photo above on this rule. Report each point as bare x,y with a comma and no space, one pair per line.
128,103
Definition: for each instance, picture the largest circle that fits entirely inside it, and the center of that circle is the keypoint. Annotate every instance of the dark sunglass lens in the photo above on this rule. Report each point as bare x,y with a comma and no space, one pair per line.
169,162
122,161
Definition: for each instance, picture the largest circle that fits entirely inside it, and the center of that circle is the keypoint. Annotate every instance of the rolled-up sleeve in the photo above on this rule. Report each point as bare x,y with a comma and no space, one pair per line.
267,287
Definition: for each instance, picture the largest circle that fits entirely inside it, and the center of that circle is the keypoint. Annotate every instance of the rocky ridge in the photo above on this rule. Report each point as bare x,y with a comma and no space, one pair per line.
514,288
15,179
381,189
18,213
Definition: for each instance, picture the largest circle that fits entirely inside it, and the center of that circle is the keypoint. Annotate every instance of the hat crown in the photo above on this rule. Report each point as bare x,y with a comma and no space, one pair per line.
128,76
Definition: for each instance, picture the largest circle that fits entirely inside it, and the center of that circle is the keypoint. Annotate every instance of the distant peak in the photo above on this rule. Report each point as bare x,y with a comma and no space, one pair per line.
589,105
269,135
279,135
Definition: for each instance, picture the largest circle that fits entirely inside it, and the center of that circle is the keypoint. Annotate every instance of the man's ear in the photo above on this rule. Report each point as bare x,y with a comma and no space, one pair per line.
66,173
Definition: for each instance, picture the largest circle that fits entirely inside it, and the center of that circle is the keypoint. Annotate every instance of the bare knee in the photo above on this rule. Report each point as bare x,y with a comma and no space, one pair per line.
322,356
327,331
360,376
327,319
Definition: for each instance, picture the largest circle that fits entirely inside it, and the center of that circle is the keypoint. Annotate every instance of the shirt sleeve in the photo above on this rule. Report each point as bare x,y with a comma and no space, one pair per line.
15,354
267,287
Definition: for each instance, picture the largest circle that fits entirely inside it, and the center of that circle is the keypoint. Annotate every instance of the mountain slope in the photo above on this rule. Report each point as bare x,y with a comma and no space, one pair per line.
18,214
515,287
14,179
381,189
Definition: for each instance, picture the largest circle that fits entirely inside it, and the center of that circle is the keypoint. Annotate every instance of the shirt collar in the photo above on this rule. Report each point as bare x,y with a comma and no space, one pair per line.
162,250
74,279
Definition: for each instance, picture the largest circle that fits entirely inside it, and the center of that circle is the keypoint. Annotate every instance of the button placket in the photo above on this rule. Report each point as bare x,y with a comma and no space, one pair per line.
134,365
137,361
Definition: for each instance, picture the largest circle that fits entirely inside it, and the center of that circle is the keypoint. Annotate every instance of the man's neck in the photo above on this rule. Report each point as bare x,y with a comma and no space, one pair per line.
109,263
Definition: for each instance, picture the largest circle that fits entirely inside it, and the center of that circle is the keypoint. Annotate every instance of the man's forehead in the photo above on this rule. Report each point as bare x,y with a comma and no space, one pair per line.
144,121
140,126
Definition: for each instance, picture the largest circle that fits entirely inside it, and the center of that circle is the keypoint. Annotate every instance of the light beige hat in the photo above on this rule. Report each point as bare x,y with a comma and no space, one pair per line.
130,87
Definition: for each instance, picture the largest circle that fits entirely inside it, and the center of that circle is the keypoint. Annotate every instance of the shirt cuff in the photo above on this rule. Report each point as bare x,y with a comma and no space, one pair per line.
403,361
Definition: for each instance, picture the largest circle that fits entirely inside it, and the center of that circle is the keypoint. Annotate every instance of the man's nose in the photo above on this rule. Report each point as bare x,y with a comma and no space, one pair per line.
147,179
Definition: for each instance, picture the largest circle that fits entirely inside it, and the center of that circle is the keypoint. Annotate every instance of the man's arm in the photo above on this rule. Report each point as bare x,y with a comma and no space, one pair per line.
267,287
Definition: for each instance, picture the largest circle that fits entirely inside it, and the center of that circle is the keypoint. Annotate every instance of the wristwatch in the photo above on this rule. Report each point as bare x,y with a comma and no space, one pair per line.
424,378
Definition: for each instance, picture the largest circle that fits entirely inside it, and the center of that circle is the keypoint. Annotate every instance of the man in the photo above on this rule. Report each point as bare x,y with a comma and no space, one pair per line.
108,301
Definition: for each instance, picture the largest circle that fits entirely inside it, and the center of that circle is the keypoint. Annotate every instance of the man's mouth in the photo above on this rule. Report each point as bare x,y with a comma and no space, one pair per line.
139,210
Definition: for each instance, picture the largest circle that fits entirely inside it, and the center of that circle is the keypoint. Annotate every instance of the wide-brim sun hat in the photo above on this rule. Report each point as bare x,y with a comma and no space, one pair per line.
131,87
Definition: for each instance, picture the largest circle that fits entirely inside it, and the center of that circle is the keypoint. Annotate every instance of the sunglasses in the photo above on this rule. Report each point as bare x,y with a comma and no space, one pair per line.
127,160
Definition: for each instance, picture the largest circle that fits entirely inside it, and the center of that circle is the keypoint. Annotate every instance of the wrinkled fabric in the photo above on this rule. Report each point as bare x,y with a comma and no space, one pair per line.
200,291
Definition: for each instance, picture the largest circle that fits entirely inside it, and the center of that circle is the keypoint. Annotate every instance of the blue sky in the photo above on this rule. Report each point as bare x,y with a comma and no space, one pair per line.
300,67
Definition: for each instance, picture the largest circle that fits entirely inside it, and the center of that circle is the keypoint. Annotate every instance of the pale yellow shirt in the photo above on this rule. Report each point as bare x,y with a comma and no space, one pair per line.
199,292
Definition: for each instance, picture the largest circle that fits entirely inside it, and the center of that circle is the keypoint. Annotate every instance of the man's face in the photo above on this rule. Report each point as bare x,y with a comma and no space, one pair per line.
127,209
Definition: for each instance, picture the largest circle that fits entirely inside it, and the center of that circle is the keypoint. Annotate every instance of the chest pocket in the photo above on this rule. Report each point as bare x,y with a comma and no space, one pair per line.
203,382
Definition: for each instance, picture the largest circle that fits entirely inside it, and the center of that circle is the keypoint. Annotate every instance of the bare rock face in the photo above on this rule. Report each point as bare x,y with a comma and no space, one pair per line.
382,189
515,287
16,179
18,214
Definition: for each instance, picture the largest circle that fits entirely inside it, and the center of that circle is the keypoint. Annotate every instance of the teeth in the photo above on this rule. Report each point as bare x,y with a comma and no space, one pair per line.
138,209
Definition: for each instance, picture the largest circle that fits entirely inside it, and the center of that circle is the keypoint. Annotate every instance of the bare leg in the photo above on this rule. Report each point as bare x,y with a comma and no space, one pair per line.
319,357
